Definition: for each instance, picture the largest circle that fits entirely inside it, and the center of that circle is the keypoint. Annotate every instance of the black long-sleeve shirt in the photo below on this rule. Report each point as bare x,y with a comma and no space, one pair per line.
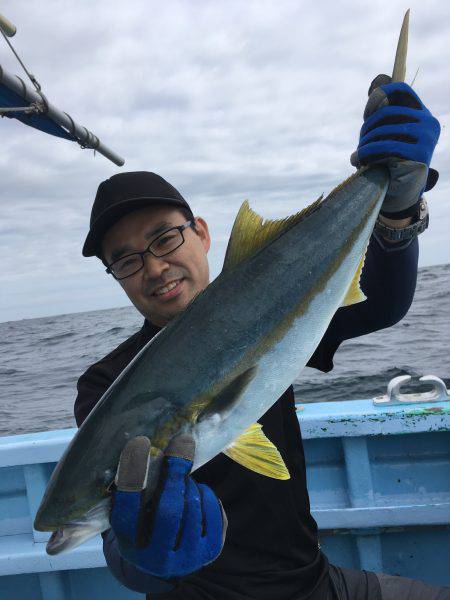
271,548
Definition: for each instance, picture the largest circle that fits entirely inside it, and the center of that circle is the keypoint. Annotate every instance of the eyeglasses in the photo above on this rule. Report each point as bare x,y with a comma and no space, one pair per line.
162,245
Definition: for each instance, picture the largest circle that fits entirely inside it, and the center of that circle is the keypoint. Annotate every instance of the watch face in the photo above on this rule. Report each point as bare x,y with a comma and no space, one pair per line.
423,210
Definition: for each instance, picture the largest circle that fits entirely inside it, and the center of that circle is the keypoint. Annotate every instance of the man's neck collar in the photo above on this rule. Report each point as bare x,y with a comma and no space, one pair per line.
151,327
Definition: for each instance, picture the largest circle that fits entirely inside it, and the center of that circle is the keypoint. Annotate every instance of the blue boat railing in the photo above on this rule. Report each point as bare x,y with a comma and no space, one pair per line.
379,483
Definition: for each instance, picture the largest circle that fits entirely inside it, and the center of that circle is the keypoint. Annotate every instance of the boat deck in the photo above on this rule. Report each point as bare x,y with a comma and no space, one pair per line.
379,483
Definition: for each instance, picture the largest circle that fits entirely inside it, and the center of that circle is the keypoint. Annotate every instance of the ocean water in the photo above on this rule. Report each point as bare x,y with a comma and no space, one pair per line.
41,359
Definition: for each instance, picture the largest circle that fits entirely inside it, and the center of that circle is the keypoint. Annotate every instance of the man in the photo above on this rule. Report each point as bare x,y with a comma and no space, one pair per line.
224,532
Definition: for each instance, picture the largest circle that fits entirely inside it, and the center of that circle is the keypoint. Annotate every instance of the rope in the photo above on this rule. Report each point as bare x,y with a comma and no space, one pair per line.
32,78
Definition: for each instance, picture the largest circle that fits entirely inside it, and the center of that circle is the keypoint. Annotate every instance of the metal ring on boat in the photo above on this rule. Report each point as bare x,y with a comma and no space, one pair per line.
393,397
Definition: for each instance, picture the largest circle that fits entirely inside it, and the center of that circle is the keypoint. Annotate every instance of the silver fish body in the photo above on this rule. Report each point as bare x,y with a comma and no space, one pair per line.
220,365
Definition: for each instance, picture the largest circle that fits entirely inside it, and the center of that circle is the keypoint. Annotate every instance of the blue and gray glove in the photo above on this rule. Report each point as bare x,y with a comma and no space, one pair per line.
400,132
166,525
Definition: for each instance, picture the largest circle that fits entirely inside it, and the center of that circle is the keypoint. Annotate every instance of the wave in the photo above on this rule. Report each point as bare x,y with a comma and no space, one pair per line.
42,359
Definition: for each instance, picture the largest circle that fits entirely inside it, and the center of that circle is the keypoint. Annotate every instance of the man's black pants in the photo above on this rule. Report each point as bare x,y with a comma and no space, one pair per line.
347,584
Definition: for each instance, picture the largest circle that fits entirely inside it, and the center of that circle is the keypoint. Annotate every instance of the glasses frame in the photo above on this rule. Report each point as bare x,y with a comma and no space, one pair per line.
180,228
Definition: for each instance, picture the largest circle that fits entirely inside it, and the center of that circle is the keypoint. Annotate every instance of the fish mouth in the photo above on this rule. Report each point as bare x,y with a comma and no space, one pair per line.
58,542
74,533
68,537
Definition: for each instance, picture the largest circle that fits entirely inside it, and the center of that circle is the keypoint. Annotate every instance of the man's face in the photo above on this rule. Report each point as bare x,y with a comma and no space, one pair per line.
187,266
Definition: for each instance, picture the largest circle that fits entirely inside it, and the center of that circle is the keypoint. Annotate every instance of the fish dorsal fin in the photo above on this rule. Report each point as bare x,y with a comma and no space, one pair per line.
354,293
251,233
256,452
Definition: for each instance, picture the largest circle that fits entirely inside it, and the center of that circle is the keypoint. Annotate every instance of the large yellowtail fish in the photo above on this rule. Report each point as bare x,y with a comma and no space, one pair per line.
220,365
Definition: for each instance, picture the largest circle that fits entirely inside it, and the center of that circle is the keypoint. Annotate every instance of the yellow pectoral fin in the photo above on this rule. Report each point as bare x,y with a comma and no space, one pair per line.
256,452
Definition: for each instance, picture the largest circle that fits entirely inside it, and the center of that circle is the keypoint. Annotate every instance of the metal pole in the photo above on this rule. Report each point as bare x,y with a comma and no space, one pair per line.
84,137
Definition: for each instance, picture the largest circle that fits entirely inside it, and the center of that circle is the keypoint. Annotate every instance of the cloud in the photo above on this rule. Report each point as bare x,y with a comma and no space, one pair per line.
227,100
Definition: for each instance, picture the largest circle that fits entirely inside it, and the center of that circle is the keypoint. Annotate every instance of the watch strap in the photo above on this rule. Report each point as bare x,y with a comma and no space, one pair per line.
405,233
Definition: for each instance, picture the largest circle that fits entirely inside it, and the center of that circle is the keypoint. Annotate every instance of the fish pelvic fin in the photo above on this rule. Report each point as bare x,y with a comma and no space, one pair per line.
251,233
354,293
256,452
399,71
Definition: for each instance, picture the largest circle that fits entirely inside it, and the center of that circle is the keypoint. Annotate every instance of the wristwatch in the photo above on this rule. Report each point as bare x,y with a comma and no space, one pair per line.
405,233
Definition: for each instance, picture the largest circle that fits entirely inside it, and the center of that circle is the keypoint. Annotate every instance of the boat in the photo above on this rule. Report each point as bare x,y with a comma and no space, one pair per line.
378,477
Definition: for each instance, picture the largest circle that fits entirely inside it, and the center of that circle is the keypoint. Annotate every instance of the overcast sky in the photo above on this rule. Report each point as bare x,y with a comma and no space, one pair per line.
226,100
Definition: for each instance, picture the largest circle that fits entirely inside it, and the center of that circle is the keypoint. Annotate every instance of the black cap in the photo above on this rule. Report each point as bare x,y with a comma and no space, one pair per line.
121,194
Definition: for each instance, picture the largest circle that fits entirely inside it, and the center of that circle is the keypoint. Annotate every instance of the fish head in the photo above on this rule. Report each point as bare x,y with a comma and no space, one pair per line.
78,482
79,530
